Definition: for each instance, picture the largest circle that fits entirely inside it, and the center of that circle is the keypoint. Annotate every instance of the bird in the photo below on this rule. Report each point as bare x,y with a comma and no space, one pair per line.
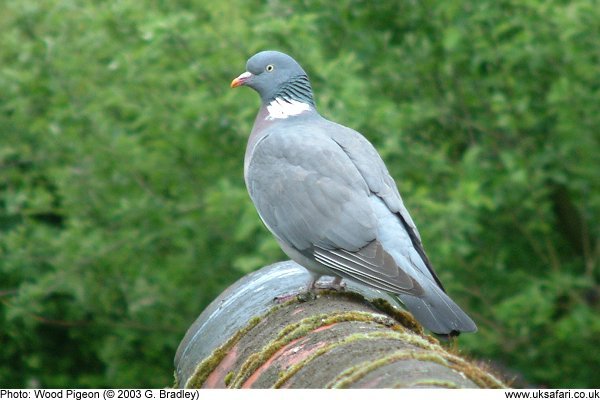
325,193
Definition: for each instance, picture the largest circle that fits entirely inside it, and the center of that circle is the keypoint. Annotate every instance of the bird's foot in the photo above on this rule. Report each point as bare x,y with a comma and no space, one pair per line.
302,296
309,294
335,284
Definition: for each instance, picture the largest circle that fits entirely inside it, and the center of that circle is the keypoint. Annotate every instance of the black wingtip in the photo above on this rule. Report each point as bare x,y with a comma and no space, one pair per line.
446,337
439,314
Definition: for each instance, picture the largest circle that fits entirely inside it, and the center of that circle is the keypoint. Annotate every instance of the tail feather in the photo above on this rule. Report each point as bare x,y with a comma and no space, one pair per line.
438,313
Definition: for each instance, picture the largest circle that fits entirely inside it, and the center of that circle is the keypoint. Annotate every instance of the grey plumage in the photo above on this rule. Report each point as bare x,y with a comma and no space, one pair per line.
325,193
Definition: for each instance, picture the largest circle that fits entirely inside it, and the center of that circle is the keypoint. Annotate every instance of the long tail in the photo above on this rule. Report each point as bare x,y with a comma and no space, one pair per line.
438,313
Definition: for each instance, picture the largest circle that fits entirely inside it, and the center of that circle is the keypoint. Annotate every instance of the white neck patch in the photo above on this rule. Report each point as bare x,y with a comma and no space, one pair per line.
281,109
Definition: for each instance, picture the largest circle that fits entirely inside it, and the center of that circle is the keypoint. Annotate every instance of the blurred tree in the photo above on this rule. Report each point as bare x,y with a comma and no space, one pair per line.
122,205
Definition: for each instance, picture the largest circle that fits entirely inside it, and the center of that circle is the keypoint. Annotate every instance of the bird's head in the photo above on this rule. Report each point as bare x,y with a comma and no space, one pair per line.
273,74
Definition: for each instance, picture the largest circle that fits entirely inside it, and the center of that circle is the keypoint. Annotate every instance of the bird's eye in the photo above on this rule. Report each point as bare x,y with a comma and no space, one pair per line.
269,68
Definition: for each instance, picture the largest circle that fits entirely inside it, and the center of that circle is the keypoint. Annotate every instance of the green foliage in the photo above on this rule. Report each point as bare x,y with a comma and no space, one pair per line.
123,210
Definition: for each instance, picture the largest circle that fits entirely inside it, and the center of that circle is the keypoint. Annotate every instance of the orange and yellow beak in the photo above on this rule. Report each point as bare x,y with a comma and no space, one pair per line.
240,80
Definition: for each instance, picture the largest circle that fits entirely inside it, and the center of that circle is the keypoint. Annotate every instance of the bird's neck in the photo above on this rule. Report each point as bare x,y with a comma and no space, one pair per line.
280,108
291,99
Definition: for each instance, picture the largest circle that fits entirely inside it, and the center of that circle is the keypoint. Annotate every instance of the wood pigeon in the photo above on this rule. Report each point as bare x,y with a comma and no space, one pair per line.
325,193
